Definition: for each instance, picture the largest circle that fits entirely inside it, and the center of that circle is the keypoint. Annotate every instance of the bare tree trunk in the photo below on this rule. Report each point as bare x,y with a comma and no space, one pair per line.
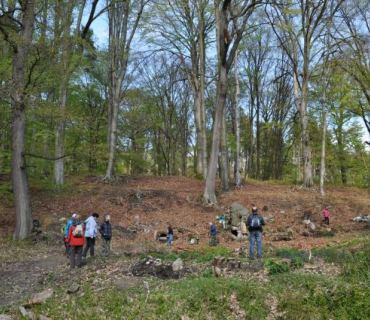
258,130
301,106
66,55
209,193
113,139
323,144
224,156
199,131
60,134
237,125
19,100
202,85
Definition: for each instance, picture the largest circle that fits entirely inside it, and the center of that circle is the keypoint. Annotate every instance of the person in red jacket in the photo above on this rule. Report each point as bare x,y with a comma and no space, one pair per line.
76,240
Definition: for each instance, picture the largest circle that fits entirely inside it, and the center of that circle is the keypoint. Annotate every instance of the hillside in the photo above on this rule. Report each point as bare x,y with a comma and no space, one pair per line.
335,277
142,205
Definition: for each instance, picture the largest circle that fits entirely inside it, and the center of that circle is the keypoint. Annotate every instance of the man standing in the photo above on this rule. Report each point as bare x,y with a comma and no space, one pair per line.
106,233
66,233
91,231
255,222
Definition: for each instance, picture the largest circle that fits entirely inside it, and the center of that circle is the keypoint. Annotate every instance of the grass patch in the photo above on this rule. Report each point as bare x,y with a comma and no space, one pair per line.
200,256
197,298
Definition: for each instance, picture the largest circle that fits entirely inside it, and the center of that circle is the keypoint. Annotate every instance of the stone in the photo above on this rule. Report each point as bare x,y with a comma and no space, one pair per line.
40,297
238,213
357,219
307,222
281,236
5,317
42,317
73,288
193,241
257,265
306,233
217,261
23,312
312,226
217,271
177,265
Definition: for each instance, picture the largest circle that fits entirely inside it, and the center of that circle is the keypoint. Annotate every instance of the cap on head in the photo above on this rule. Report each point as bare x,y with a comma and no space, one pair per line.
74,215
254,208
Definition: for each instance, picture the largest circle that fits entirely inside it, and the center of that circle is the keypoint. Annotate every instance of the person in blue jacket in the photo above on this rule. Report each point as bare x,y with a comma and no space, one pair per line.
213,232
66,233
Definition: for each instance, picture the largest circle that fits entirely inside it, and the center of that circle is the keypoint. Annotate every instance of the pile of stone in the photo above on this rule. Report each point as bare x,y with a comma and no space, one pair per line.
221,265
159,268
362,218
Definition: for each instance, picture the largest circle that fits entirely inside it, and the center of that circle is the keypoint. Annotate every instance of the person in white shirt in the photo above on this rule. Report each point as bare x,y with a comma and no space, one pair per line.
91,231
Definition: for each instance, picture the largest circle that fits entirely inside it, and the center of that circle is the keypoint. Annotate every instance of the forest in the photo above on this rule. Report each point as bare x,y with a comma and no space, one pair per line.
219,90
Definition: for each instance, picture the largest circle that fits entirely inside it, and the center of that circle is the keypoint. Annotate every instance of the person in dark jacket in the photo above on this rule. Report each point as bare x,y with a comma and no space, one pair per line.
255,222
169,235
106,233
76,242
213,232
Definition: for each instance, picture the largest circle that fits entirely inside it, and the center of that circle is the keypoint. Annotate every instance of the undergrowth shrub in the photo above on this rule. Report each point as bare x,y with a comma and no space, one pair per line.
277,267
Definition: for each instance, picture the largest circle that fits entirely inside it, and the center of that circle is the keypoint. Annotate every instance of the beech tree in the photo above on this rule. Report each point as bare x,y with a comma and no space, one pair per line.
182,27
231,19
298,27
17,29
123,19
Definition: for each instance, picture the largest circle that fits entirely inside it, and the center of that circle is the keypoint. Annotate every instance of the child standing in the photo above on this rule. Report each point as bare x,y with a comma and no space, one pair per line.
169,235
325,214
213,232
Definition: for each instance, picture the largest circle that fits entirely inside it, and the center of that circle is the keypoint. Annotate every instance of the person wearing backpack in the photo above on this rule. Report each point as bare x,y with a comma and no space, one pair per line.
106,233
91,231
76,240
66,233
255,222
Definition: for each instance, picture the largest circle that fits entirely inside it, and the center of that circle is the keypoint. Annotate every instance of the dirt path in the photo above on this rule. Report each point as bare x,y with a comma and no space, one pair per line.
35,270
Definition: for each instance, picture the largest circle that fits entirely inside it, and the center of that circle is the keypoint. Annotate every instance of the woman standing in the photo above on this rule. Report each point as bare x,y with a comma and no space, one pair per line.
76,241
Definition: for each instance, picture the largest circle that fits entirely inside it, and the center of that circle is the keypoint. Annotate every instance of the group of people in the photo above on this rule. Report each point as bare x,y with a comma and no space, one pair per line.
255,222
78,234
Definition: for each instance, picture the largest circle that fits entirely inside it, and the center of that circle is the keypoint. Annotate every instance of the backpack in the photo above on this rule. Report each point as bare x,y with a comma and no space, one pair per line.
78,232
255,221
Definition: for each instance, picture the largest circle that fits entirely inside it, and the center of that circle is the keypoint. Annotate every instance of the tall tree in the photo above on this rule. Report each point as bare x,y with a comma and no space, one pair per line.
124,18
231,19
237,170
298,27
19,34
182,27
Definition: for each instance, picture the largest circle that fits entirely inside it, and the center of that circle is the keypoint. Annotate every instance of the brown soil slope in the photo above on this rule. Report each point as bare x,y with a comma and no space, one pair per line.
147,204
